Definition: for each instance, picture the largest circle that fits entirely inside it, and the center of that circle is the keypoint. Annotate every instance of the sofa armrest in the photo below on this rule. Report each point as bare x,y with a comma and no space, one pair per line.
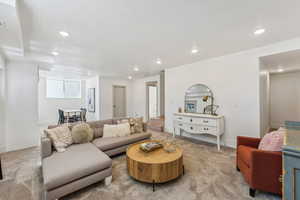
266,167
46,147
145,127
248,141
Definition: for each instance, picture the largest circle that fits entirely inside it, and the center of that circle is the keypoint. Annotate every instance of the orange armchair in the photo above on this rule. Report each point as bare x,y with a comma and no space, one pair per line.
261,169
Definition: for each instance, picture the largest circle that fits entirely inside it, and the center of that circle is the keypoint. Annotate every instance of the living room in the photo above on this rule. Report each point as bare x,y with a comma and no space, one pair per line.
209,84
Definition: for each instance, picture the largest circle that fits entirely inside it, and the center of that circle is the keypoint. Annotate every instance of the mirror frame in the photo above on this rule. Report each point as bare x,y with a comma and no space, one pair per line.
207,93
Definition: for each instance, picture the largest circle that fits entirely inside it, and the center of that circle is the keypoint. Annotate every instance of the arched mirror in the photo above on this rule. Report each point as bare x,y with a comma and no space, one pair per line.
199,99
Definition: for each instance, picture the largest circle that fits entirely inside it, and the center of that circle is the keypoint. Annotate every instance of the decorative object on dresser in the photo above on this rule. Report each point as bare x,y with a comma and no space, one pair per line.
199,99
200,114
291,161
157,166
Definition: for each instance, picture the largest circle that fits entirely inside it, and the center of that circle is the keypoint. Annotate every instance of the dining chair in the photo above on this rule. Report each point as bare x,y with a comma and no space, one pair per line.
61,116
83,114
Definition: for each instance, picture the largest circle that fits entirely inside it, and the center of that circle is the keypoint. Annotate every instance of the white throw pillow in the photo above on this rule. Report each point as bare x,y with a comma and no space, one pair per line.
116,130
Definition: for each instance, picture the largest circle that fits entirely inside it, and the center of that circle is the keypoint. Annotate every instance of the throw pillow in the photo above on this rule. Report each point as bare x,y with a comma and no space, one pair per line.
136,124
272,141
116,130
82,133
60,136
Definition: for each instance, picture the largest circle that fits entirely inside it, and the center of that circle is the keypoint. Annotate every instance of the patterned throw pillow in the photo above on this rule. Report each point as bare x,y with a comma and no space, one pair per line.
82,133
136,125
61,137
272,141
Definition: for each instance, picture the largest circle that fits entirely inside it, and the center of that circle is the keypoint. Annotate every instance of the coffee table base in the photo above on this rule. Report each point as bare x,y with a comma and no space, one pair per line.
153,182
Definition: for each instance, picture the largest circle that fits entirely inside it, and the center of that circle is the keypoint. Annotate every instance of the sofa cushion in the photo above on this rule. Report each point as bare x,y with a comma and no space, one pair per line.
245,153
97,126
76,162
108,143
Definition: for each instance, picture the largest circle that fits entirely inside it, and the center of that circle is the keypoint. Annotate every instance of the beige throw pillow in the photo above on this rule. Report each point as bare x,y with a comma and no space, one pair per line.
82,133
116,130
61,137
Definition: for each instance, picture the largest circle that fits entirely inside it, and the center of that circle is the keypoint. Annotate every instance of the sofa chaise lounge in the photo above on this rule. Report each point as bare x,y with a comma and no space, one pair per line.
83,164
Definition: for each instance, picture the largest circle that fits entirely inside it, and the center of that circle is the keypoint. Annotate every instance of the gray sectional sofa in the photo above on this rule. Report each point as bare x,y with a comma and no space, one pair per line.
83,164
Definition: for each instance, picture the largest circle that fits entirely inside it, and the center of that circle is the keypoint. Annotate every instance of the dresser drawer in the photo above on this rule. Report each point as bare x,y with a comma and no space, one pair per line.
208,129
191,128
203,121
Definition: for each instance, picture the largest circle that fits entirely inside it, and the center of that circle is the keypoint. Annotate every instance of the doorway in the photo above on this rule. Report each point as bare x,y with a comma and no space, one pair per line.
119,101
152,100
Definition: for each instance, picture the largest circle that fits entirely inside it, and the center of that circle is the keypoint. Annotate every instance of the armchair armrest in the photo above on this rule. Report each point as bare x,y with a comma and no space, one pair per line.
46,147
248,141
266,169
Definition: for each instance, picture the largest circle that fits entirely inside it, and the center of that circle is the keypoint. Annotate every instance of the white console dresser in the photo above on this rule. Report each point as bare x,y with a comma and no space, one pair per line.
196,124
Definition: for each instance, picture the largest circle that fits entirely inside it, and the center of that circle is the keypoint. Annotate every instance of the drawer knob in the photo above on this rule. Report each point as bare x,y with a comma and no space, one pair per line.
192,128
191,120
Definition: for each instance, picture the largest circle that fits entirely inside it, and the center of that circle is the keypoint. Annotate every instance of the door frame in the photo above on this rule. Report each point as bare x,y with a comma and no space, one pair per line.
125,98
148,84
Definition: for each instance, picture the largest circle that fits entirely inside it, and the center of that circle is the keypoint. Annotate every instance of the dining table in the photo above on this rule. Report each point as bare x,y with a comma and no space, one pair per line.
71,112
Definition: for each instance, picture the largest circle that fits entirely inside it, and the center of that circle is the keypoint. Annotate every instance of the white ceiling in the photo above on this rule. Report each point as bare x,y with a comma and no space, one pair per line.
113,36
282,62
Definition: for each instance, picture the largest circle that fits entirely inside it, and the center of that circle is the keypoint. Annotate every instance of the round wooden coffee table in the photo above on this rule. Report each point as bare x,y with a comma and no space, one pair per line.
153,167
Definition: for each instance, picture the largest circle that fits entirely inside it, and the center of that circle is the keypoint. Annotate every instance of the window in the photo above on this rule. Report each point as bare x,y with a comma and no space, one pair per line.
70,89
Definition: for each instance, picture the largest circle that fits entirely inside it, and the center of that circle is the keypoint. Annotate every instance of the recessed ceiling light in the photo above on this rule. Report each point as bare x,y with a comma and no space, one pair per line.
280,70
64,34
158,61
259,31
55,53
129,77
194,51
136,69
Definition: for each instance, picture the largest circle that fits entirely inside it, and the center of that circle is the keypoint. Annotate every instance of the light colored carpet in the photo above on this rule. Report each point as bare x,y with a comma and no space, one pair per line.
209,175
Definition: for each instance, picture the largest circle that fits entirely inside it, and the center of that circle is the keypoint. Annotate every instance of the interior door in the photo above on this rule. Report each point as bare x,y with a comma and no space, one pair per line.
119,101
152,107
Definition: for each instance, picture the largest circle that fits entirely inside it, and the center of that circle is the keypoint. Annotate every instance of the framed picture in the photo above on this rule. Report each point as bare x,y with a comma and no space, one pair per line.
91,100
191,106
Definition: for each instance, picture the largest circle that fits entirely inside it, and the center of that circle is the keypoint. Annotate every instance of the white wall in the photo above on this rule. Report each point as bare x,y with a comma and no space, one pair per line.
22,106
106,96
93,83
48,107
234,80
284,98
264,100
2,104
139,95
